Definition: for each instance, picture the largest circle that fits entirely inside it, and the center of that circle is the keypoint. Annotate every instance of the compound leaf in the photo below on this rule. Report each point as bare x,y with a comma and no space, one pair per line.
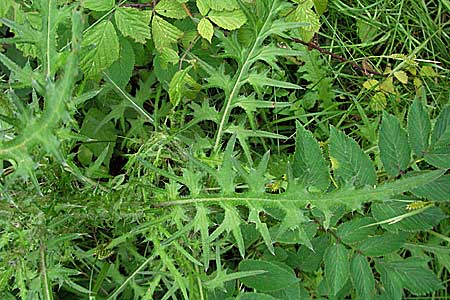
133,23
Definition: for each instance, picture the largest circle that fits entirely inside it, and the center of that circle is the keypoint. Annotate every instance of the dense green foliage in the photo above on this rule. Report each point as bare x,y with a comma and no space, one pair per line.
199,149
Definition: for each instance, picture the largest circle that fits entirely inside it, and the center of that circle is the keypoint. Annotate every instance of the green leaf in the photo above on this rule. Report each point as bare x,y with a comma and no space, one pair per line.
259,80
122,69
382,244
205,29
419,128
418,222
229,20
255,296
304,13
164,33
277,276
98,5
337,267
350,164
320,6
202,224
391,282
100,48
170,9
437,190
355,230
440,134
203,6
133,23
182,85
309,164
310,260
394,147
223,4
362,278
413,276
261,227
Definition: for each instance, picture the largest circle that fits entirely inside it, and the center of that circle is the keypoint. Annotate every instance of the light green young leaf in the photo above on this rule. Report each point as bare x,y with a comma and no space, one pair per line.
394,147
223,4
205,29
229,20
277,276
309,164
203,6
320,6
98,5
100,48
337,267
362,278
170,9
182,85
164,33
350,164
133,23
304,13
419,128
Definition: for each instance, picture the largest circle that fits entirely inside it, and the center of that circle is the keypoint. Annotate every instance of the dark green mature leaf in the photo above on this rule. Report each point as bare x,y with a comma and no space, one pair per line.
362,277
350,164
394,147
133,23
355,230
310,260
412,275
437,190
255,296
278,276
100,48
391,282
337,267
419,128
439,152
309,164
423,221
382,244
122,69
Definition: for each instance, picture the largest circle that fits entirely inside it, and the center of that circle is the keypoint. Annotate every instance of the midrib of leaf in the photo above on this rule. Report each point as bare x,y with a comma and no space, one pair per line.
378,193
237,85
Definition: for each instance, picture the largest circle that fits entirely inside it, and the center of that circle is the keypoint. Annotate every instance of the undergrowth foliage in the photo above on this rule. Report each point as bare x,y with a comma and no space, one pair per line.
194,150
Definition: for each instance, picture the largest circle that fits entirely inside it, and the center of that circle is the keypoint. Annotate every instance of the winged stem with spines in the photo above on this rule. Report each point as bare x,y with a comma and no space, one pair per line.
39,129
264,24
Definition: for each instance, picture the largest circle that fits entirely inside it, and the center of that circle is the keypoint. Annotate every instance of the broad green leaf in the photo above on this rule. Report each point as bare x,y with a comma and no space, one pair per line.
309,164
100,48
98,5
439,156
413,276
419,128
203,6
5,5
223,4
382,244
391,282
229,20
164,33
255,296
441,131
355,230
277,276
362,277
310,260
122,69
320,6
423,221
133,23
337,267
304,13
437,190
350,164
394,147
205,29
170,9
